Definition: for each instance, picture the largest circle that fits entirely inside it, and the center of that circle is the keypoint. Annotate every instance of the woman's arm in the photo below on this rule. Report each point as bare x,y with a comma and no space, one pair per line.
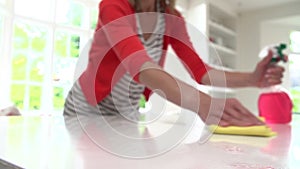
221,78
211,111
264,75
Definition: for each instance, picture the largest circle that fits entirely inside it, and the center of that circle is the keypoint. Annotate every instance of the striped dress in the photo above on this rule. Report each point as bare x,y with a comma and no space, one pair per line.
125,95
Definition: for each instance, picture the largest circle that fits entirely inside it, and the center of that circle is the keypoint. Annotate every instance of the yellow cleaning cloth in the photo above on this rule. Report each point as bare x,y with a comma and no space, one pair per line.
263,131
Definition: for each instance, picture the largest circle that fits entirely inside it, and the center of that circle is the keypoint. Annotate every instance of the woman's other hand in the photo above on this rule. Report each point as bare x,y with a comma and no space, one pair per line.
267,74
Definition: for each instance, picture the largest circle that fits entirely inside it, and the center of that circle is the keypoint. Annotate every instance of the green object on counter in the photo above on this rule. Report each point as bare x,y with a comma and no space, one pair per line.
142,102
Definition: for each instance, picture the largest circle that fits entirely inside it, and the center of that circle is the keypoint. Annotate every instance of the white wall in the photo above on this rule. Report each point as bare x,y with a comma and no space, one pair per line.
224,4
195,23
250,34
183,4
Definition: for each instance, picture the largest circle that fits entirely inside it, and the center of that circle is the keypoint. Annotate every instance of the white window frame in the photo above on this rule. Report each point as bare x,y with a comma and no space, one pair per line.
5,12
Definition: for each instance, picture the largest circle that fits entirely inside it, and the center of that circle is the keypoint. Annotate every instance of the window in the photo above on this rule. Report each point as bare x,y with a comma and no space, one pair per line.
29,58
66,52
94,14
1,33
295,42
295,69
47,38
67,16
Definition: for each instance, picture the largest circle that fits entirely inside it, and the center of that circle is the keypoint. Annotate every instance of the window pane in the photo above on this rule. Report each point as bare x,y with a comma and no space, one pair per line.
71,13
295,41
38,9
294,69
29,52
64,69
17,95
35,97
75,45
296,99
66,49
1,33
37,69
94,18
19,64
21,37
61,43
66,45
29,55
58,98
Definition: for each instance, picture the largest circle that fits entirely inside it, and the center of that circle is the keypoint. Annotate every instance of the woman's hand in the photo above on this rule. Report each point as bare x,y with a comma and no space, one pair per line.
228,112
236,114
267,74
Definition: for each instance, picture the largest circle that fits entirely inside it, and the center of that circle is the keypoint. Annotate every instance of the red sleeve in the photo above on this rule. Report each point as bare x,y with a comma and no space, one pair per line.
119,28
180,41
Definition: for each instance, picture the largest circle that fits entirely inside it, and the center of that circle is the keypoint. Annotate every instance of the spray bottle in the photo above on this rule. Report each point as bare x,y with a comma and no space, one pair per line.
274,102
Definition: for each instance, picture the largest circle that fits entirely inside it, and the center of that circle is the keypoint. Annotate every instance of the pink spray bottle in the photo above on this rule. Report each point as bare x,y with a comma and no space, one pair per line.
274,102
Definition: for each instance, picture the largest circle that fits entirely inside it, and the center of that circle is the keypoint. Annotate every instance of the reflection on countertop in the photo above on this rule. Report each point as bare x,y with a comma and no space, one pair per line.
55,142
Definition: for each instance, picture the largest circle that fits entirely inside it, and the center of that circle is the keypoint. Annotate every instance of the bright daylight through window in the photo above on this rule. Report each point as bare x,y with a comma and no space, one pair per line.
1,31
294,58
46,42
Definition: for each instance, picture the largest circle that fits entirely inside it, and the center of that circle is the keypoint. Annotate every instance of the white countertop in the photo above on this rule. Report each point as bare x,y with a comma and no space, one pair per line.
46,142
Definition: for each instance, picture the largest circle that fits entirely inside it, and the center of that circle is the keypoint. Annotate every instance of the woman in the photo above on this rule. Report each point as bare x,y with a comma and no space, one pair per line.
126,59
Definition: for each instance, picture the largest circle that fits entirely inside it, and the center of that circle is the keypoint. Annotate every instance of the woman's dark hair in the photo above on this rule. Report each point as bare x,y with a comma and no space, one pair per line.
164,3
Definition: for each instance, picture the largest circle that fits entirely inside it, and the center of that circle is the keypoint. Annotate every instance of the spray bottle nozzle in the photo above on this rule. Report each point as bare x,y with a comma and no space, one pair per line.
279,53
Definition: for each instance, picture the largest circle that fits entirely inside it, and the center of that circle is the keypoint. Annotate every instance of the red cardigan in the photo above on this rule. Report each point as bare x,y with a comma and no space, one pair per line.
116,49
